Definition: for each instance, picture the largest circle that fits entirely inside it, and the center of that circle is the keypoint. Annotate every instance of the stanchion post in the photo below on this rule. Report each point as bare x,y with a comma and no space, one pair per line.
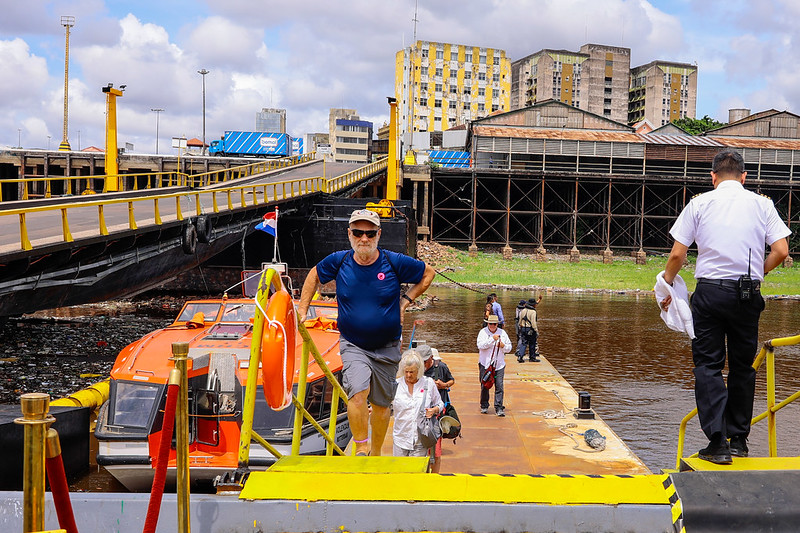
180,352
35,419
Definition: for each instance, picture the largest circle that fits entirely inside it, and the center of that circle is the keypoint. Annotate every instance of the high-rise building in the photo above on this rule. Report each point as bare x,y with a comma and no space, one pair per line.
595,79
442,85
271,120
662,91
350,137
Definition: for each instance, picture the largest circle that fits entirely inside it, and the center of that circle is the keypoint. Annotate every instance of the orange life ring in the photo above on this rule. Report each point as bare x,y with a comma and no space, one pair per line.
278,350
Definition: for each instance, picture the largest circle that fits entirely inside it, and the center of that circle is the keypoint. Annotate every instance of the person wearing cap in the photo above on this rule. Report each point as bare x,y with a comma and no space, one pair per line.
415,396
731,227
493,345
437,370
528,336
370,315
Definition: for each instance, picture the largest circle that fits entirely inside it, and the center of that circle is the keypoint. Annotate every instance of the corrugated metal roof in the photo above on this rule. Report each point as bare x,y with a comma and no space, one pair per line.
777,144
543,133
680,140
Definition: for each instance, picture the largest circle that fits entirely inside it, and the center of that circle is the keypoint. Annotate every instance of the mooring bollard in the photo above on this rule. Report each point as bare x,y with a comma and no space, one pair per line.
180,352
35,407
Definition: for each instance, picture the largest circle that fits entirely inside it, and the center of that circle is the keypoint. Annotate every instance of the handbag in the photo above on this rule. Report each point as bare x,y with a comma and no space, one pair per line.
428,428
487,379
450,430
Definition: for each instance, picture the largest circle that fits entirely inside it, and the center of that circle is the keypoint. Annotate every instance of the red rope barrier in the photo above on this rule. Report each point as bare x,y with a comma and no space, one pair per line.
160,476
60,489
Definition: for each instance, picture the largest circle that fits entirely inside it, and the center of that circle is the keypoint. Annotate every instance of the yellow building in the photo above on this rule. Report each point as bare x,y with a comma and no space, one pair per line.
662,91
443,85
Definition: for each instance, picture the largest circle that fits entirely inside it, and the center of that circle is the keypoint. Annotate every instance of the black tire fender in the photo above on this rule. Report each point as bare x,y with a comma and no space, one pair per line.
189,239
205,229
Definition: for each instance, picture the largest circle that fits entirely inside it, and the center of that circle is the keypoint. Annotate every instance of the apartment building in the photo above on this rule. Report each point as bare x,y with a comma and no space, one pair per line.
442,85
662,91
271,120
350,137
595,79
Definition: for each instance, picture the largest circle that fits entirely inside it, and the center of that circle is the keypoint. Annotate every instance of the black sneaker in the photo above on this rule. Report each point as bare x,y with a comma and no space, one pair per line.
534,359
716,452
500,412
520,359
739,446
484,410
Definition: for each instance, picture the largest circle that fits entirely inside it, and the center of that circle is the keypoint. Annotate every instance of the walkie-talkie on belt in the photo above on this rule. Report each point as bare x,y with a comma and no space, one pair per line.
746,283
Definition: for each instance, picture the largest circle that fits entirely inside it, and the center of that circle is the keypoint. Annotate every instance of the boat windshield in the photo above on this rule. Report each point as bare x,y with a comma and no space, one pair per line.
326,311
210,311
238,312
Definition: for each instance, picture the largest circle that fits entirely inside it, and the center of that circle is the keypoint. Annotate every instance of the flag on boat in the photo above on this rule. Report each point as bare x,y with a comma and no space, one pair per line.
270,223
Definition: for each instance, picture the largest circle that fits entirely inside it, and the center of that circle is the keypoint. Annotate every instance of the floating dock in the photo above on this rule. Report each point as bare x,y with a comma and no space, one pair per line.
528,471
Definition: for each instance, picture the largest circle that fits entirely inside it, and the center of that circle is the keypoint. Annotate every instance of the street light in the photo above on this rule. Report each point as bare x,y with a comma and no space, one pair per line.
48,142
203,73
157,111
19,137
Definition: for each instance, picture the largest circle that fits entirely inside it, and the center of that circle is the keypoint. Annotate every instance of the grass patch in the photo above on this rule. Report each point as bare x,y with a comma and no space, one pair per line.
589,273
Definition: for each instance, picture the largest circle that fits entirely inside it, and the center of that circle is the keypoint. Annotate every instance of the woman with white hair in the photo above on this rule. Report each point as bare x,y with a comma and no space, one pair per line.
414,393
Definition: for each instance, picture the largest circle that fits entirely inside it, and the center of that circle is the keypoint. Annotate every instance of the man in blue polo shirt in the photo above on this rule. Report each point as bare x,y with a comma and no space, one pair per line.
370,321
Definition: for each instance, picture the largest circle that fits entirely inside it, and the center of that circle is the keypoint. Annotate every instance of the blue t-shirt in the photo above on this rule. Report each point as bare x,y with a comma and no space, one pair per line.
369,296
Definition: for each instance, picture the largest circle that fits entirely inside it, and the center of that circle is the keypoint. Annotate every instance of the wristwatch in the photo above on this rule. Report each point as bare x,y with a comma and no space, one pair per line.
407,297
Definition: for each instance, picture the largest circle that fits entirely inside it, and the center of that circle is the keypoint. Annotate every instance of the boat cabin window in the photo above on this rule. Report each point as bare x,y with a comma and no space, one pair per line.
209,310
324,310
238,312
134,404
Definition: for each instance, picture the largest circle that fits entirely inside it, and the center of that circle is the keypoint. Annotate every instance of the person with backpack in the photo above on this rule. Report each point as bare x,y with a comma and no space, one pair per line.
493,345
370,321
437,370
528,336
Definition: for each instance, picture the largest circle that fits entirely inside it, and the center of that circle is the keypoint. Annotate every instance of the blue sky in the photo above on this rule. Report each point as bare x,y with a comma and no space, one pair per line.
310,55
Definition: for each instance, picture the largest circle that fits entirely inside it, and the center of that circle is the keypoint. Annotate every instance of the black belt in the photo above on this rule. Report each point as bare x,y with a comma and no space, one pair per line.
728,283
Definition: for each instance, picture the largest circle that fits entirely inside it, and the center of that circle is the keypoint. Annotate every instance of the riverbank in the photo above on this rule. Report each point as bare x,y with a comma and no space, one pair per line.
557,273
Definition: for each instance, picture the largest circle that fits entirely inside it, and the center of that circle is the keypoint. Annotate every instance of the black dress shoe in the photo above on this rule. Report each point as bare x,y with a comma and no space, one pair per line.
739,446
717,452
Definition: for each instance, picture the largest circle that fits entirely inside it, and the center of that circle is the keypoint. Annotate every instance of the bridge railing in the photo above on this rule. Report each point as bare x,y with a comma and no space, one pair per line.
175,206
33,187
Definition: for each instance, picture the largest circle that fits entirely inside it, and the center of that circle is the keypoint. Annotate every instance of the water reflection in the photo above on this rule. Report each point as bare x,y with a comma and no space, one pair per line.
616,347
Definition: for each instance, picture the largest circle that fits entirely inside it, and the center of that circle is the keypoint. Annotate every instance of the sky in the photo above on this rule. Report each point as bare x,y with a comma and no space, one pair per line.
308,56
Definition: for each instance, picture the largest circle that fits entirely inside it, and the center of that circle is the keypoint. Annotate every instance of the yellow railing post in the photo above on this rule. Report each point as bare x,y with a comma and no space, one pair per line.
332,421
36,420
771,422
178,212
65,226
101,220
156,211
301,393
180,353
23,233
131,217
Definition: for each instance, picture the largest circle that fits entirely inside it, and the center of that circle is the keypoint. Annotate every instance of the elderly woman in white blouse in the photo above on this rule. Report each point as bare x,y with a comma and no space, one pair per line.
414,391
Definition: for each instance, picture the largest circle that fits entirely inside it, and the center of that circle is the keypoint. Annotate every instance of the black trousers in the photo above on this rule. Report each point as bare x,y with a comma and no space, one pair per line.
720,316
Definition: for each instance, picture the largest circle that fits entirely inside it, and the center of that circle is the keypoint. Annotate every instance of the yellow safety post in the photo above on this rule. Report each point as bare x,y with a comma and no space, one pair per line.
301,393
23,233
112,157
36,420
101,219
178,212
156,211
214,201
131,217
180,352
65,226
771,422
391,171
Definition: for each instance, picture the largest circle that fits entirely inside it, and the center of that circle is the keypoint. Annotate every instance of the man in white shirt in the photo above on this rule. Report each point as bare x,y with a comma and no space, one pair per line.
731,226
493,345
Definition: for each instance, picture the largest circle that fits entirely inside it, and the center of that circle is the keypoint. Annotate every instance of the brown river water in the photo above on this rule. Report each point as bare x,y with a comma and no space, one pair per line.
614,346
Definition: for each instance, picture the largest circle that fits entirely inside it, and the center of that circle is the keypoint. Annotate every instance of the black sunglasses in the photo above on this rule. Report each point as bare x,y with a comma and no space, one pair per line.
358,233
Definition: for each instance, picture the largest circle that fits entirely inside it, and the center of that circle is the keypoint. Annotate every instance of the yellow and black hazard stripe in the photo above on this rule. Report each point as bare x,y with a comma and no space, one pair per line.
675,503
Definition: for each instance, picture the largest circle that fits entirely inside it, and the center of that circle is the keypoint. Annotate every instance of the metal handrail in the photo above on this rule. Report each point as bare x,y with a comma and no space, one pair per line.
271,280
280,190
155,180
767,353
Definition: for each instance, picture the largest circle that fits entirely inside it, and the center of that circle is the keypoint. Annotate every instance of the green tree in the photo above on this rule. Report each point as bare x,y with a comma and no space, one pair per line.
696,126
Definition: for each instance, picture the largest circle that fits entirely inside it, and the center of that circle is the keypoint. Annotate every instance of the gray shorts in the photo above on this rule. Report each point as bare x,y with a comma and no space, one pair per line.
375,370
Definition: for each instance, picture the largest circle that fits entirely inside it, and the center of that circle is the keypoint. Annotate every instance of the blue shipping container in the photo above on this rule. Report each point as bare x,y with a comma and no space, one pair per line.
252,143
